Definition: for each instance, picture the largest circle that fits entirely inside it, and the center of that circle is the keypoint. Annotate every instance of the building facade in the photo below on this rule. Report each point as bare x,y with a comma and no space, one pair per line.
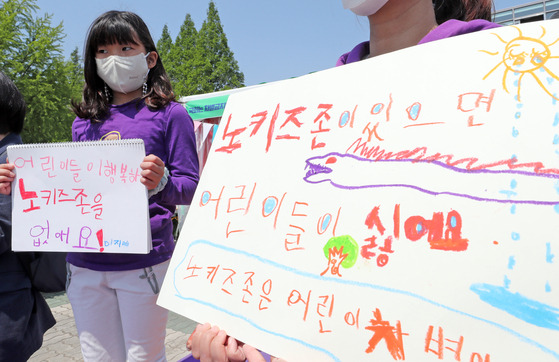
532,11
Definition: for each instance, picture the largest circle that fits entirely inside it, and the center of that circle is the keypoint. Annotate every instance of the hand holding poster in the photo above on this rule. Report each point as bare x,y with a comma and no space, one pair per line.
399,208
80,197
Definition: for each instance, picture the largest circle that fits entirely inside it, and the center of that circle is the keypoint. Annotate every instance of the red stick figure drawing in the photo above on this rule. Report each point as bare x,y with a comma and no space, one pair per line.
340,251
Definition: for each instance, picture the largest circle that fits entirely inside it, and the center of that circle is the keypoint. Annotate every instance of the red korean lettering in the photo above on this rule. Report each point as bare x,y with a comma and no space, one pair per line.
241,202
27,195
97,206
231,134
206,198
265,296
469,102
323,116
246,289
327,220
212,272
81,196
325,309
347,118
20,162
440,344
193,269
352,319
271,205
123,169
441,236
291,118
295,297
47,165
476,357
229,278
134,175
292,239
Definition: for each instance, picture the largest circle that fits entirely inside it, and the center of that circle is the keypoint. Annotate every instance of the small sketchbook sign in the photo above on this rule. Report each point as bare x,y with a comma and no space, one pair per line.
80,197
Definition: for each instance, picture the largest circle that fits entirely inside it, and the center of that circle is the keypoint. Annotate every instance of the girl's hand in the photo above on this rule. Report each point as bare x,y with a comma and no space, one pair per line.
153,170
210,344
6,178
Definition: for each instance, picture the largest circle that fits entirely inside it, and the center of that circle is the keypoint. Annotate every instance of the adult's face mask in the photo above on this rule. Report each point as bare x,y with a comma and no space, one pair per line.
364,7
123,74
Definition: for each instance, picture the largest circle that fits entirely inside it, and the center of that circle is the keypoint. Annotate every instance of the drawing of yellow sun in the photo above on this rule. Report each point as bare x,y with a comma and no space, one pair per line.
525,56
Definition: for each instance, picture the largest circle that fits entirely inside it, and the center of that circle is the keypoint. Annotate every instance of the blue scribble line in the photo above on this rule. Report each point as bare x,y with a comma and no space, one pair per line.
528,310
549,256
337,281
317,168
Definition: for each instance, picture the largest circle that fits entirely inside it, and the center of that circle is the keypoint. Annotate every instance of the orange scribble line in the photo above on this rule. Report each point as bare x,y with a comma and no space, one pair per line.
423,124
359,148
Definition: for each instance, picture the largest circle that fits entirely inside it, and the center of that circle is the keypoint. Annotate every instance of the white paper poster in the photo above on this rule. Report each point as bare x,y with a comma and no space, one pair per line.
404,207
80,196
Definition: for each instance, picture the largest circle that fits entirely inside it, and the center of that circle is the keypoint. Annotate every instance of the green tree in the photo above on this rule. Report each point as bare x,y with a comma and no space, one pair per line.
31,55
75,75
184,65
220,70
164,45
200,62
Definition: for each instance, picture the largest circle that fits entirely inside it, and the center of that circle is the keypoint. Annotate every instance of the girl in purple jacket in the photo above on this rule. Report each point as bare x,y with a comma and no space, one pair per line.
128,94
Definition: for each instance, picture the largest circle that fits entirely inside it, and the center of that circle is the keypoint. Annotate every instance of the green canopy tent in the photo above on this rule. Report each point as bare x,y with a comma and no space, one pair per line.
209,107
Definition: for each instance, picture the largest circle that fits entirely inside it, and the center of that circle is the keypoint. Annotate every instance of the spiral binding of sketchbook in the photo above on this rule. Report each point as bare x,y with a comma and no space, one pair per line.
102,143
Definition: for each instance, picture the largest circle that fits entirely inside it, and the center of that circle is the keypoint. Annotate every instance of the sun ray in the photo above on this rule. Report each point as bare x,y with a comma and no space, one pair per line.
491,71
505,80
518,87
550,72
501,39
556,40
519,31
543,87
543,32
488,52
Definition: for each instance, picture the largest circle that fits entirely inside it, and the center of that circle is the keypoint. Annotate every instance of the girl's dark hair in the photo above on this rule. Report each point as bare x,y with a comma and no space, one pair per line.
465,10
115,27
12,106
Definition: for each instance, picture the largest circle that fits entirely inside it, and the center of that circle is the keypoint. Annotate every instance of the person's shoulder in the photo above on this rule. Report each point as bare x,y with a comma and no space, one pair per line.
175,112
79,123
177,109
356,54
454,27
471,26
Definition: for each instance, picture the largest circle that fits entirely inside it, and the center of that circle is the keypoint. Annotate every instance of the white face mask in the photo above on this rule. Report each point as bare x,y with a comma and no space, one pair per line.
123,74
364,7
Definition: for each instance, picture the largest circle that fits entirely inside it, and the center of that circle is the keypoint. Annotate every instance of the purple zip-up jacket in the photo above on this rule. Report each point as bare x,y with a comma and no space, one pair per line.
167,133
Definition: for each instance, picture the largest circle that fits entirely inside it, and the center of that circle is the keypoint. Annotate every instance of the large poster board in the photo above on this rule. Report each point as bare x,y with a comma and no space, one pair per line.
80,196
404,207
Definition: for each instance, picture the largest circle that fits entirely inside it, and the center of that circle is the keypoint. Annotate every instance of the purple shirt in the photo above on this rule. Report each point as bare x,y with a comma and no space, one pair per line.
167,133
445,30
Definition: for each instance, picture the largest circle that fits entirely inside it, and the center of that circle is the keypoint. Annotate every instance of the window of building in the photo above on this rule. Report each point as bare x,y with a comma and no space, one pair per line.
528,10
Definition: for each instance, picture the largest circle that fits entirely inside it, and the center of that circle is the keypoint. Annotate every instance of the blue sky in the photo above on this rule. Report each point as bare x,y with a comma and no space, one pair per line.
271,40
